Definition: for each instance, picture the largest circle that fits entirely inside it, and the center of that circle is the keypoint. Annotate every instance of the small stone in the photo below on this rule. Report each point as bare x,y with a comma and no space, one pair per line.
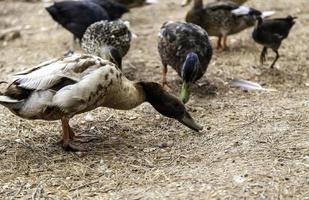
166,144
148,150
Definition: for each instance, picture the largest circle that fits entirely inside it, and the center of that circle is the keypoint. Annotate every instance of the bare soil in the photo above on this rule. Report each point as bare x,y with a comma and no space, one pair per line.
255,145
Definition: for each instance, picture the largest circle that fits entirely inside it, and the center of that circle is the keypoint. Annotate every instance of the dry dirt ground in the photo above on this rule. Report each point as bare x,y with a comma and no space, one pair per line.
254,144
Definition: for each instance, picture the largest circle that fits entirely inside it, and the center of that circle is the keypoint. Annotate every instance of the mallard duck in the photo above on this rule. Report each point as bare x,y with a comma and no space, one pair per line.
135,3
114,9
101,36
218,19
64,87
186,48
76,16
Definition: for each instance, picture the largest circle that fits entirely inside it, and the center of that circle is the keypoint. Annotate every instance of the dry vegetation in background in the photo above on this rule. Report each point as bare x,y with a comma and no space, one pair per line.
254,144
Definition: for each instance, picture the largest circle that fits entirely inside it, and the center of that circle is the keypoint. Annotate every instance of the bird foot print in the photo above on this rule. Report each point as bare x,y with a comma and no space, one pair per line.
85,138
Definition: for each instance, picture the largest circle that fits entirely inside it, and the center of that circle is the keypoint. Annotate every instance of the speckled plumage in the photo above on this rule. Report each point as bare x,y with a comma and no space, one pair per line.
62,87
177,39
217,18
107,33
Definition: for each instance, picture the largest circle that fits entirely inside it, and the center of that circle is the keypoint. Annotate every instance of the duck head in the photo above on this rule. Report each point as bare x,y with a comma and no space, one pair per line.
189,72
112,54
168,105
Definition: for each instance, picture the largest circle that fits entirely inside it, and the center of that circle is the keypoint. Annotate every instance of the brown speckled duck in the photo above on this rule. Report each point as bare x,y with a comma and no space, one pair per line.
64,87
103,36
186,48
218,19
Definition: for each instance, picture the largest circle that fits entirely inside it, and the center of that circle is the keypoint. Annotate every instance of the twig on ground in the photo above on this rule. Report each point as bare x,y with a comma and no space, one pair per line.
82,186
18,191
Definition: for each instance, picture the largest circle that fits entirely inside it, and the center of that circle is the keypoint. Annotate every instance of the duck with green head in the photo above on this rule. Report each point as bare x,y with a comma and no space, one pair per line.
187,49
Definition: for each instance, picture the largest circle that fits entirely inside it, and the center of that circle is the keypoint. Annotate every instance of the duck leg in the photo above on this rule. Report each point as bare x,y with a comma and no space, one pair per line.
164,79
277,57
224,42
68,136
263,55
219,42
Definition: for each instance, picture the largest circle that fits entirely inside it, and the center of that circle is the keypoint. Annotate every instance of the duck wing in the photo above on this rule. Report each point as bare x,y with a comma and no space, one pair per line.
278,26
51,73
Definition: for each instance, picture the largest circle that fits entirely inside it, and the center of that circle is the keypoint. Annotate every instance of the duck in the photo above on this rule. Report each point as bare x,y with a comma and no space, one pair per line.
218,19
136,3
104,36
270,33
187,49
77,16
61,88
114,9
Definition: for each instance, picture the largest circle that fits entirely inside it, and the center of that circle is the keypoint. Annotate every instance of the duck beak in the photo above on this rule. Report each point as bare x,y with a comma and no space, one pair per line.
185,92
185,3
188,121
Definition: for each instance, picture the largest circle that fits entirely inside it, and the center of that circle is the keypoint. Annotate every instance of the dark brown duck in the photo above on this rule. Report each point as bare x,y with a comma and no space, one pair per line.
270,34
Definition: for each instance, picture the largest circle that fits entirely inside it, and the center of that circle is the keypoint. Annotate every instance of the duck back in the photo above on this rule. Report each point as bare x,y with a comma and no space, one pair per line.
76,16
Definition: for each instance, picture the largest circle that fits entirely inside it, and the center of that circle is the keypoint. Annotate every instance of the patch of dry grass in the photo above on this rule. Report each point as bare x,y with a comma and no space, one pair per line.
254,145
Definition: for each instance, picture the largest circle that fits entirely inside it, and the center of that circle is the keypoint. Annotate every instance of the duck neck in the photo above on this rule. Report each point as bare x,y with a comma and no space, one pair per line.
130,95
258,22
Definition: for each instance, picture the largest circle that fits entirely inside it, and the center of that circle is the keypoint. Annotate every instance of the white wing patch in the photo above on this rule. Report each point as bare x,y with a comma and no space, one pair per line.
49,73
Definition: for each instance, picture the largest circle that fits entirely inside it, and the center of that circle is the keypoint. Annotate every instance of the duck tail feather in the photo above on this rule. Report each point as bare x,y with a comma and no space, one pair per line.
6,99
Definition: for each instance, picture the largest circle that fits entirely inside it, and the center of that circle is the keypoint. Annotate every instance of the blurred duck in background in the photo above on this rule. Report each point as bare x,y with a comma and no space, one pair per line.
269,33
187,49
77,16
114,9
218,19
